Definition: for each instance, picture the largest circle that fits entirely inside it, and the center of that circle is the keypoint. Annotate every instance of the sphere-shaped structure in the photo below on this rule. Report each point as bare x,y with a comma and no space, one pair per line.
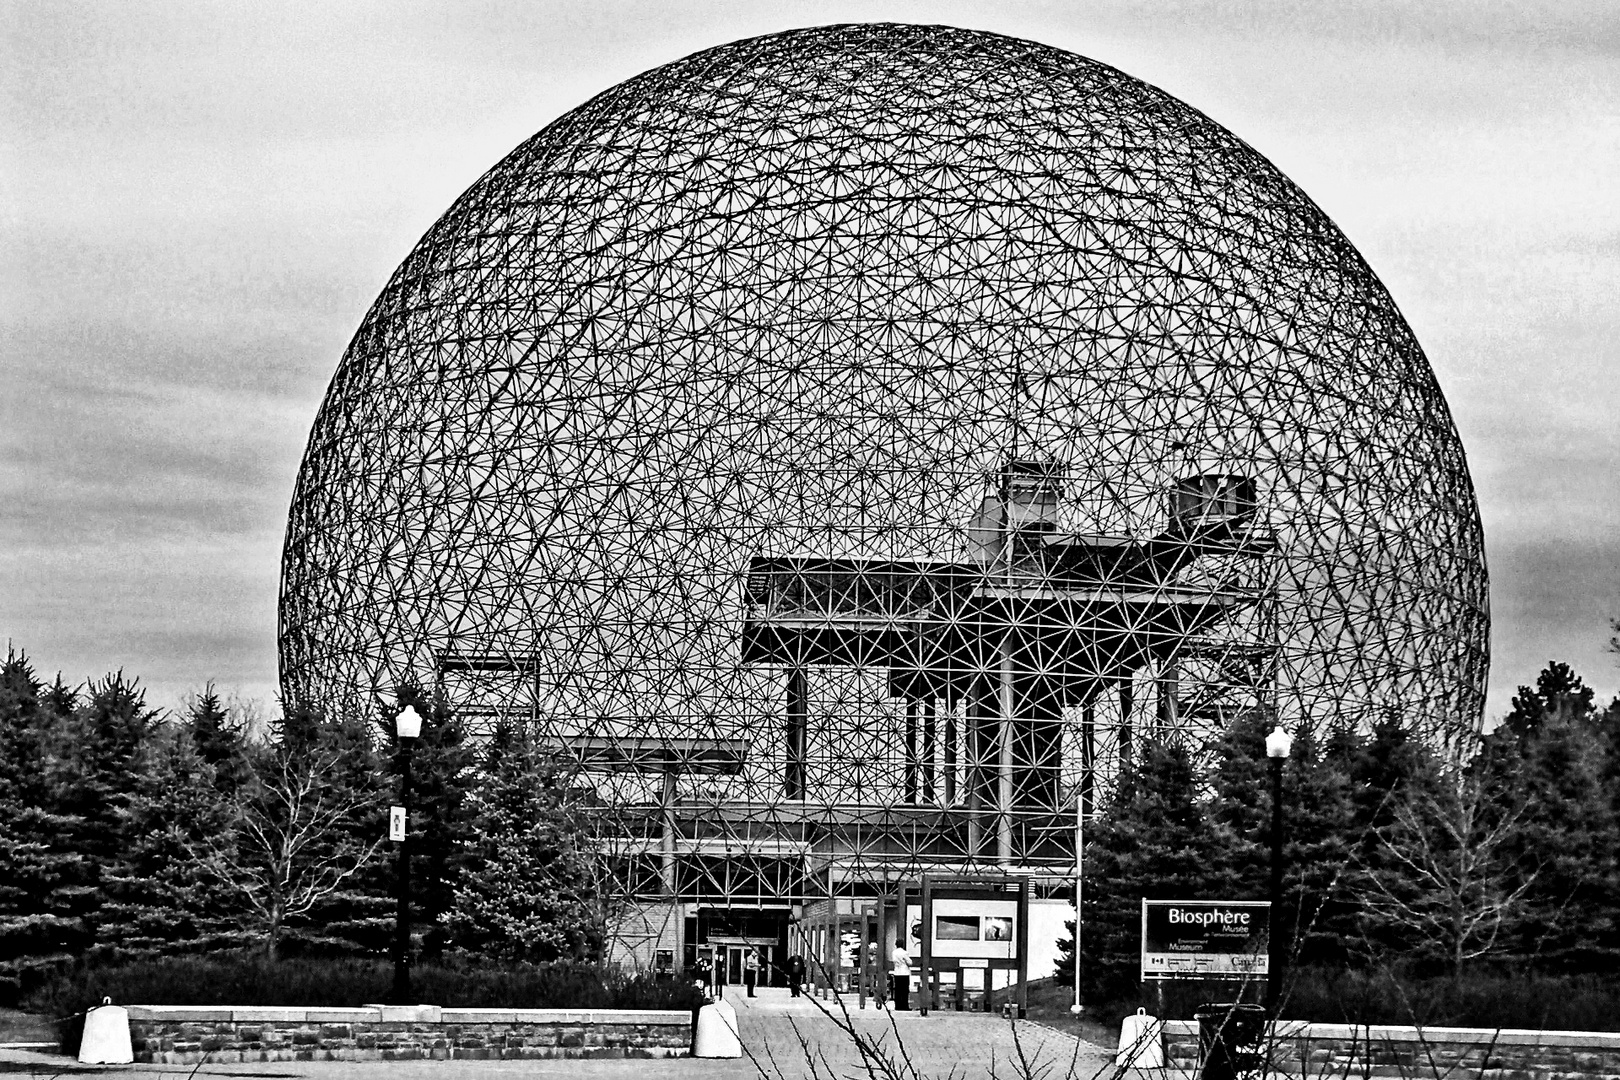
880,427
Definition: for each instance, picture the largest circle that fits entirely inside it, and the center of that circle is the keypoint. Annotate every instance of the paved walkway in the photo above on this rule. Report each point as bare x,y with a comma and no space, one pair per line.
783,1034
784,1039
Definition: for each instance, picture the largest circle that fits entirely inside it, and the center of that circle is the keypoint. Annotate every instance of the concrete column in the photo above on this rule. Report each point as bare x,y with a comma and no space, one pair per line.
667,840
1169,693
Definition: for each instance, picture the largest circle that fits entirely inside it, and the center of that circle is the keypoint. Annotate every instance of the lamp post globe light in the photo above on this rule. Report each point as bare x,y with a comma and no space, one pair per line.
407,727
1078,1008
1278,744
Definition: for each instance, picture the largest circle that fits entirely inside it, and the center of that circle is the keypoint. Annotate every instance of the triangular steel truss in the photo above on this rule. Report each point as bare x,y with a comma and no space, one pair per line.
845,444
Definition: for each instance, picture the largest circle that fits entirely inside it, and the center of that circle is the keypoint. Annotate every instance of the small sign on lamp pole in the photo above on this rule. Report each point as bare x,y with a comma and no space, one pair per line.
396,823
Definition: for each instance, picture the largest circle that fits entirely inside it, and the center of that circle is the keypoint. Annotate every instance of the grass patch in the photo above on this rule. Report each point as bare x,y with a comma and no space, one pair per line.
1049,1004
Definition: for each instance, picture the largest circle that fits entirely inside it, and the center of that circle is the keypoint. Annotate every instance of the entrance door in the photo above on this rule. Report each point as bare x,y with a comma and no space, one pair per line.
734,965
767,965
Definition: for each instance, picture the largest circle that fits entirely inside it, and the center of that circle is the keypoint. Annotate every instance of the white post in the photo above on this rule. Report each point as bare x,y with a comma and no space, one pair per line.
1079,887
1004,756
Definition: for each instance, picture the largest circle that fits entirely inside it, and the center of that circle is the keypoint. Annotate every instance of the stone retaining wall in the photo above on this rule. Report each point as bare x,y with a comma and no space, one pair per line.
1350,1052
186,1034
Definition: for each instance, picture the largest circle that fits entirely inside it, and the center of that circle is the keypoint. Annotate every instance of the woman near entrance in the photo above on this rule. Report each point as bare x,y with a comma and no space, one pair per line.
900,975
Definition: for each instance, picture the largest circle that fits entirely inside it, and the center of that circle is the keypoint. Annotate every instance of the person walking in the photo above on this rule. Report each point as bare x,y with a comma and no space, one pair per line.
795,973
750,969
900,975
872,972
703,973
710,975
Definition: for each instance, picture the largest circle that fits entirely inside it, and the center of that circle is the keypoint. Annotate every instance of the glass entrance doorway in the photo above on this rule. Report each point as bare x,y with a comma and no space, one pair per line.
737,964
727,935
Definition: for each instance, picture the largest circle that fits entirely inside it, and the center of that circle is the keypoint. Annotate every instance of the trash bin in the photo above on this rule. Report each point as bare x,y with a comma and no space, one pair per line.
1231,1041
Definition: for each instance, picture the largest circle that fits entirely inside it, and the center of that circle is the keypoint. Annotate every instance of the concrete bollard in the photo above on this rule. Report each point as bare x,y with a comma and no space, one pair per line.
1141,1044
106,1035
716,1033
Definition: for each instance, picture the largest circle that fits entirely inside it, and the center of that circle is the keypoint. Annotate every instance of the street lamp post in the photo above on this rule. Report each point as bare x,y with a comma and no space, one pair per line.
1079,890
407,726
1278,743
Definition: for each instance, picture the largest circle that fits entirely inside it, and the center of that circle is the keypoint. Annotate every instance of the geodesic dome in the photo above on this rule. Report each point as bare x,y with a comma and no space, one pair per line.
885,417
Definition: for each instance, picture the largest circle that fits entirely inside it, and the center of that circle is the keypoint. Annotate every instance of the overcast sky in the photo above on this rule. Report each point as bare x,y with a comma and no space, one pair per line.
199,201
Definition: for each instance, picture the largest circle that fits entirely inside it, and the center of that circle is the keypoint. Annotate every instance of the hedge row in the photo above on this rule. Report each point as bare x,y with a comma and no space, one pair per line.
250,980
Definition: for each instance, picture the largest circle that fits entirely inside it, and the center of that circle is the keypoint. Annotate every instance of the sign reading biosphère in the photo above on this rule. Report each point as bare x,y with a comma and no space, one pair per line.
1205,939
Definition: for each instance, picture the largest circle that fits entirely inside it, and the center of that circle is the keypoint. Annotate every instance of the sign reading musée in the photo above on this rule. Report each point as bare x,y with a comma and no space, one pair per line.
1205,939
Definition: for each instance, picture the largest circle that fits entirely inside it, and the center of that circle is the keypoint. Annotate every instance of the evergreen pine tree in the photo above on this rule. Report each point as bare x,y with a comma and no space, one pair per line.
218,738
59,699
531,890
1317,818
1559,694
300,727
1550,764
1318,919
1154,841
1241,796
47,889
163,894
107,733
441,767
1378,767
1382,768
111,726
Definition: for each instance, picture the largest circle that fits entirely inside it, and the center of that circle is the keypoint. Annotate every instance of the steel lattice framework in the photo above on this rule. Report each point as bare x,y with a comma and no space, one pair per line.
845,443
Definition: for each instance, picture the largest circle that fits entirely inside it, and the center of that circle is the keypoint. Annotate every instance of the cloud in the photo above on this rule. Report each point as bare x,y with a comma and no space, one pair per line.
199,202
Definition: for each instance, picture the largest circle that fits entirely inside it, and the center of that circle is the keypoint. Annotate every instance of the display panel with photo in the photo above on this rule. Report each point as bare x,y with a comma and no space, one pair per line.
956,927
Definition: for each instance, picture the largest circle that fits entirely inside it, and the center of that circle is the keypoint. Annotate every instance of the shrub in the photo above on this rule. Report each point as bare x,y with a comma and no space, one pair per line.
1172,1000
1482,998
250,980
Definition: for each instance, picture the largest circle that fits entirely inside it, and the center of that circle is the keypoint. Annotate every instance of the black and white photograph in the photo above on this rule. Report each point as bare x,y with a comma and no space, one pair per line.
763,540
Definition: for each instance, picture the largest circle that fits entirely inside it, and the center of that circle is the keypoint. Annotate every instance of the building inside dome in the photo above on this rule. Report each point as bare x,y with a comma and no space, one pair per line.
845,446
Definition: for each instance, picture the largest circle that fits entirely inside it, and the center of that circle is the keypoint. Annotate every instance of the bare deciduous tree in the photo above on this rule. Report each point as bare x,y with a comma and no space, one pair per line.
1442,869
291,843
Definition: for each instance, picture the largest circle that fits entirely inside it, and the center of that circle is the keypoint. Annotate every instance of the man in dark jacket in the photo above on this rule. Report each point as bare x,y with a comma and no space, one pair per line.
795,973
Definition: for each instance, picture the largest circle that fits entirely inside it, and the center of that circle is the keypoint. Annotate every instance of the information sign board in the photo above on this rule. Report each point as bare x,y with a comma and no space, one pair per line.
979,927
1205,939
